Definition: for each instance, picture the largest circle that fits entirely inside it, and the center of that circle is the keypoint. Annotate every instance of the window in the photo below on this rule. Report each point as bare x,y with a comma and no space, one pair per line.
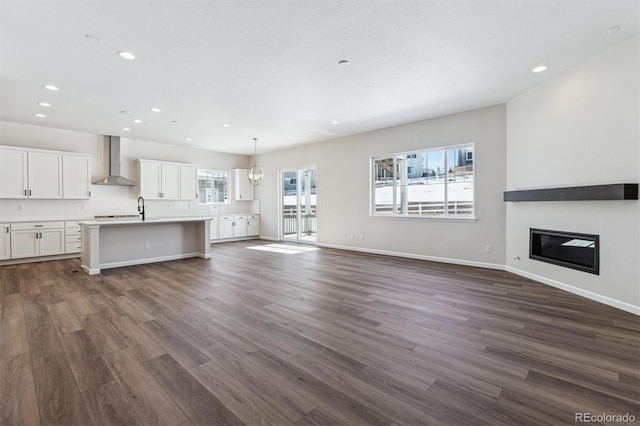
430,183
213,186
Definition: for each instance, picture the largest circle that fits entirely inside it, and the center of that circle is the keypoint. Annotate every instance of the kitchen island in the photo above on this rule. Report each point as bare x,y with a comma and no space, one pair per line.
116,243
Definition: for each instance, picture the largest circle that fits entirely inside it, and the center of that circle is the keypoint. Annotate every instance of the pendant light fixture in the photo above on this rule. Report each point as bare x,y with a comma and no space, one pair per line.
255,173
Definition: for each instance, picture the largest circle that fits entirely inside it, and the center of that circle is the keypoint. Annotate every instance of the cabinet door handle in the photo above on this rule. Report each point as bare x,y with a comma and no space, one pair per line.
38,226
89,193
29,192
7,229
25,192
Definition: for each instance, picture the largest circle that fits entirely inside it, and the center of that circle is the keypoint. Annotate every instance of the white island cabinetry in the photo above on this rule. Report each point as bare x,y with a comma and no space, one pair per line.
111,244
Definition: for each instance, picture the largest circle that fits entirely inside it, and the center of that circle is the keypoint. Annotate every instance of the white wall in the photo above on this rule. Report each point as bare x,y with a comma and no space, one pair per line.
580,128
343,189
112,199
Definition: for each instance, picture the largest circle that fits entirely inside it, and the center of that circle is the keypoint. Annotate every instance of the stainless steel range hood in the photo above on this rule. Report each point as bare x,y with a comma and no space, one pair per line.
114,177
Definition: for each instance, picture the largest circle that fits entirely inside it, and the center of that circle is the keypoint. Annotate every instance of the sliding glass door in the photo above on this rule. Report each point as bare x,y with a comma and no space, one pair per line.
298,205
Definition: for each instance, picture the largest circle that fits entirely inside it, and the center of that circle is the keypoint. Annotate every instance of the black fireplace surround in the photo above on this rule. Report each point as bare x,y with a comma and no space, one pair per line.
568,249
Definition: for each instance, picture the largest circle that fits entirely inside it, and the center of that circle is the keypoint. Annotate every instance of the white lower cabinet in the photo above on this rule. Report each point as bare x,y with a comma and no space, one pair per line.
240,226
31,239
225,226
253,225
213,229
72,237
5,241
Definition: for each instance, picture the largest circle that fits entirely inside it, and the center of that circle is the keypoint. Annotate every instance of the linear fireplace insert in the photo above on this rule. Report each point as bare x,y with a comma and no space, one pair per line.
568,249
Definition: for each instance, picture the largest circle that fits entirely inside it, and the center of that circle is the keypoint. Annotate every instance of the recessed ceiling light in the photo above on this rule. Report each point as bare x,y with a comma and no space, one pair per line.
137,121
154,110
334,122
40,115
613,30
188,139
50,87
126,129
127,55
44,104
344,63
540,68
225,125
93,38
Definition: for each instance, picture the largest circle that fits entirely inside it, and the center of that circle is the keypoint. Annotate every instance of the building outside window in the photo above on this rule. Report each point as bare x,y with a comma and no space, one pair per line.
213,186
429,183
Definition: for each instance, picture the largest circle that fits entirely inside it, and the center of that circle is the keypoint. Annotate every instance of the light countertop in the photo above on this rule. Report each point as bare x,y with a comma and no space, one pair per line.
147,221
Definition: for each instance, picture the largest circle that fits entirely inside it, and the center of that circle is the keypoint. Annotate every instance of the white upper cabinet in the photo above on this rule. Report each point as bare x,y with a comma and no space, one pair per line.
36,173
30,174
13,174
76,176
45,175
188,182
243,189
161,180
150,180
170,181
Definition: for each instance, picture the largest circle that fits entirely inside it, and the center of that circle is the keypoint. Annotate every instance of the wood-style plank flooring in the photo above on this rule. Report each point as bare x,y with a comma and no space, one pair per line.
324,337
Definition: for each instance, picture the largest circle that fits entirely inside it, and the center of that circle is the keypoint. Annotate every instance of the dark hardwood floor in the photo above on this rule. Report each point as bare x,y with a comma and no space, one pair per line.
322,337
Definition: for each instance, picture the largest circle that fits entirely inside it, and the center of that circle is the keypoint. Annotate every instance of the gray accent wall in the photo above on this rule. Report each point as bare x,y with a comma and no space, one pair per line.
580,128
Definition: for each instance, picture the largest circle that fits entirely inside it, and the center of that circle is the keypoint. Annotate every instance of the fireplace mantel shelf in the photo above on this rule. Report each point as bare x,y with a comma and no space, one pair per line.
616,191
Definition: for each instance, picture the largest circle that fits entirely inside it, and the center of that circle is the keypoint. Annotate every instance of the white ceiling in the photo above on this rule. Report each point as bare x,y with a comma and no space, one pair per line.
269,68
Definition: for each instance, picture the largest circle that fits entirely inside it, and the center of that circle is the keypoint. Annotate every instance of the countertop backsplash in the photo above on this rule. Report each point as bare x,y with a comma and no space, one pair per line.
116,200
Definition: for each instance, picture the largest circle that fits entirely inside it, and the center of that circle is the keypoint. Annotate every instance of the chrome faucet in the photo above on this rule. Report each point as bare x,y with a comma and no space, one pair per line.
141,207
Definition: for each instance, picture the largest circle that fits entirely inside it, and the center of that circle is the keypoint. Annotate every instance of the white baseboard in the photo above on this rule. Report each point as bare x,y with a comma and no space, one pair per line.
264,237
417,256
152,260
38,259
575,290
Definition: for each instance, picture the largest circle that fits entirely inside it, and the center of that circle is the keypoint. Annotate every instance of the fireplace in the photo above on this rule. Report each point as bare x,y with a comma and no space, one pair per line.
568,249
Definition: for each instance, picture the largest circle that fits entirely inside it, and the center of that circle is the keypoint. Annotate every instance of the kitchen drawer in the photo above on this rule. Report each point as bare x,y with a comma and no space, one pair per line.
72,224
74,247
72,238
243,217
72,231
25,226
254,216
221,218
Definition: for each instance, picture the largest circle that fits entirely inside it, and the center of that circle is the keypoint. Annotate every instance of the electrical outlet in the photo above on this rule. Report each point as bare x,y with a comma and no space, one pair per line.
20,207
361,237
488,249
82,207
146,245
351,236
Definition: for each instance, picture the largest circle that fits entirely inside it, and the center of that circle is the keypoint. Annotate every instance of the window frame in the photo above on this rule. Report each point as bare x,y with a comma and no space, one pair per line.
227,197
446,215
